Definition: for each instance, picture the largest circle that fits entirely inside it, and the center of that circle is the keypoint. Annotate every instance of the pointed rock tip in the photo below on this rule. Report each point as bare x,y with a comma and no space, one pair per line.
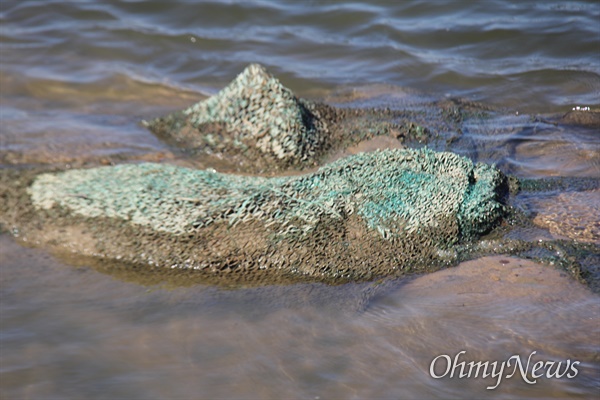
256,73
256,69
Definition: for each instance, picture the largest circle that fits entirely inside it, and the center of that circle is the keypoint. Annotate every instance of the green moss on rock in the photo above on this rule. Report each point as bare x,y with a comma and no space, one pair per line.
255,111
257,125
390,207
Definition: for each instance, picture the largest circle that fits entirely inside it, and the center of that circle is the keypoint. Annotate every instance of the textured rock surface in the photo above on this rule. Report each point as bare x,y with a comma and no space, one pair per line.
255,112
359,217
258,107
353,217
257,125
571,214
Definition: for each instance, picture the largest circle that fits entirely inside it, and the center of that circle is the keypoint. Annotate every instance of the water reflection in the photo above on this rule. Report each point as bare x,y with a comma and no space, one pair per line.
71,332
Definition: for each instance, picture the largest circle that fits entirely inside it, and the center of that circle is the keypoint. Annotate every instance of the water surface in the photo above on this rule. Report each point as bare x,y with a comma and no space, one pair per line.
77,77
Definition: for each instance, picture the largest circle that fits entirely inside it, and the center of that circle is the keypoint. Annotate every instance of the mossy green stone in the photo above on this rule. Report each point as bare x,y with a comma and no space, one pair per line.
395,193
254,103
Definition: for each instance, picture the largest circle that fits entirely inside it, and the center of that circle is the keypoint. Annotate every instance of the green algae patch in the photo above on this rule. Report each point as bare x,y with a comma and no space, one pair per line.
255,124
254,114
366,215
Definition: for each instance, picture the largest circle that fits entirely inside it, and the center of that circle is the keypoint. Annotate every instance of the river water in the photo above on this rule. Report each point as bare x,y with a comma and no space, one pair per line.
77,77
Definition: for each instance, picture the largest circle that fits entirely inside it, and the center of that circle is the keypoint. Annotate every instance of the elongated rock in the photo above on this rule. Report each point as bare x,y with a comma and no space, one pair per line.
368,214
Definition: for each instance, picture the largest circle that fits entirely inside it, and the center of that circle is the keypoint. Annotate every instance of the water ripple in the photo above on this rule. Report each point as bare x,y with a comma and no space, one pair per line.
468,48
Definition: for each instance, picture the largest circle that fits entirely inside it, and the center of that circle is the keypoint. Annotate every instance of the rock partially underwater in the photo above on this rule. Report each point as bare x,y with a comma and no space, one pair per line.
363,216
257,125
254,114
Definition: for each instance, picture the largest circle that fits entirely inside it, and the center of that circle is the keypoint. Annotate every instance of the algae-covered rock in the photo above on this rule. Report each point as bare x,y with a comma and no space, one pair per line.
359,217
254,113
364,215
257,125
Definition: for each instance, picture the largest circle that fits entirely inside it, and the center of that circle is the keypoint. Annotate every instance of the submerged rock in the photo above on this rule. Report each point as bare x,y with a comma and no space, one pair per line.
362,216
584,117
366,215
570,214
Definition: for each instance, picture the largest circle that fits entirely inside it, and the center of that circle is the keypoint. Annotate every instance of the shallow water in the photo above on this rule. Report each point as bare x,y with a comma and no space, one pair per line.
74,333
77,77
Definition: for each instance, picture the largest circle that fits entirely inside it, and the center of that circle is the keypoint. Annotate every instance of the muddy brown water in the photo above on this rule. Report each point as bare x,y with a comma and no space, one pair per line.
77,77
